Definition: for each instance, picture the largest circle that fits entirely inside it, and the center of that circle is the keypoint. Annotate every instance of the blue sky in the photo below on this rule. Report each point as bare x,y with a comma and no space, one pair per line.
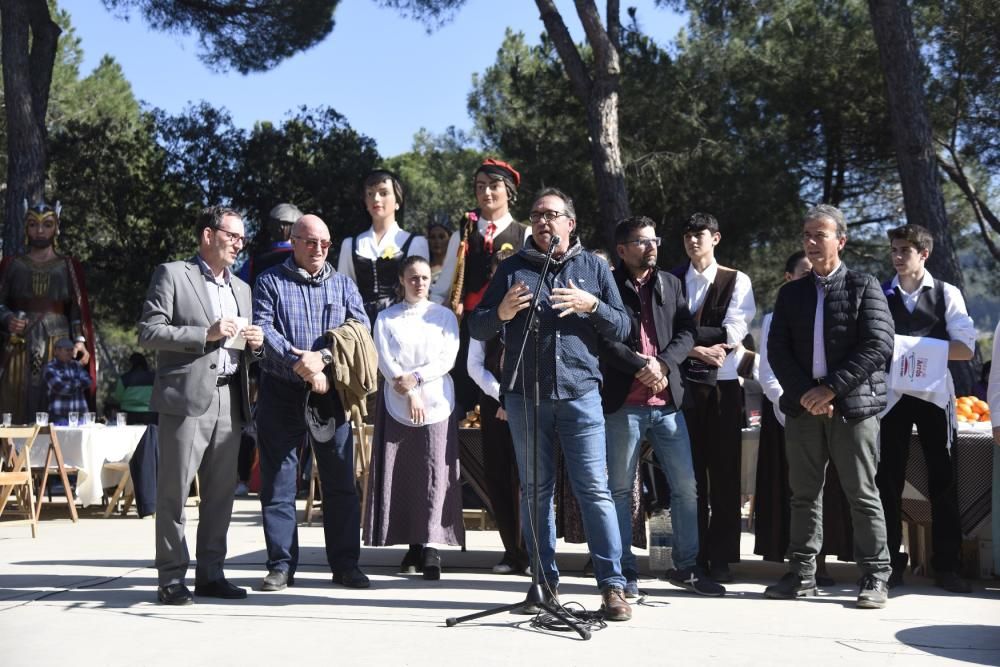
384,73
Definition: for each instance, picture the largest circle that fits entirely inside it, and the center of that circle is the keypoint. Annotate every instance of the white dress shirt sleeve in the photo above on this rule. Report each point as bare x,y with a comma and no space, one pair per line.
476,365
442,288
960,326
741,310
440,365
345,263
993,393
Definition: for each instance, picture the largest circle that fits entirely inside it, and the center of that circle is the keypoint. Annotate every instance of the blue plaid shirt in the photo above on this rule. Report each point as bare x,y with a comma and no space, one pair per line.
67,383
295,310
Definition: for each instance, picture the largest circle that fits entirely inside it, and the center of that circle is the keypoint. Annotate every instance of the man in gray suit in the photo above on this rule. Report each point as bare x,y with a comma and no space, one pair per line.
195,318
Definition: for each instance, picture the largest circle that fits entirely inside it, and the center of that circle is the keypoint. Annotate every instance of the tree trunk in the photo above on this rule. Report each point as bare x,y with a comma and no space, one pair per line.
599,96
911,132
606,157
27,75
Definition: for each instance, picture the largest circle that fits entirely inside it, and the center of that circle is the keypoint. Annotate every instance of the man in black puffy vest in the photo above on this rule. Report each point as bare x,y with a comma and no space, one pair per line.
831,337
924,307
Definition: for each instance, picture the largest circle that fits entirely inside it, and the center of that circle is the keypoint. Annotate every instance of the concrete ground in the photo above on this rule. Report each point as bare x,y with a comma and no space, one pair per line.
85,595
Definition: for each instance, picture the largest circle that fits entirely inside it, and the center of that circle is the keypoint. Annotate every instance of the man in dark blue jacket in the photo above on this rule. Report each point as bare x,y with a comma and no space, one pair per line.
579,303
830,340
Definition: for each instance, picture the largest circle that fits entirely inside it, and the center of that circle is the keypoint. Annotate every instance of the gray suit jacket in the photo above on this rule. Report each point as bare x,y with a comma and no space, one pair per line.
175,320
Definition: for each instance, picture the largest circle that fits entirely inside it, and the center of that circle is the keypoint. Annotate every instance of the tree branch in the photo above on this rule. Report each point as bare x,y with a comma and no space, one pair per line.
571,60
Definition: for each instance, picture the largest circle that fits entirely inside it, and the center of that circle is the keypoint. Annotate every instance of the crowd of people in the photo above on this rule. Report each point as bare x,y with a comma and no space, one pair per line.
410,331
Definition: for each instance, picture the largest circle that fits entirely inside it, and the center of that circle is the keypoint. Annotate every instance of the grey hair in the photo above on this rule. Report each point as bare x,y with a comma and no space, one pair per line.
829,212
556,192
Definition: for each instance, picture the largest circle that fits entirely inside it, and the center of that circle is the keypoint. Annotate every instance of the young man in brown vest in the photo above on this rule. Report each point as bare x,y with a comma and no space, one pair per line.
721,300
928,308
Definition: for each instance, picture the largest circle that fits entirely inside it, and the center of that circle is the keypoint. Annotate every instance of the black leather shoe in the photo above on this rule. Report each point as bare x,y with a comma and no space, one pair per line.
177,594
952,582
791,586
413,560
277,580
220,588
352,578
873,592
432,564
721,574
899,562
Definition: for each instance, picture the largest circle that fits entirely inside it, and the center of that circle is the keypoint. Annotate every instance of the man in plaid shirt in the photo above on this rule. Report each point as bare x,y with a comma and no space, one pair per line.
295,303
67,381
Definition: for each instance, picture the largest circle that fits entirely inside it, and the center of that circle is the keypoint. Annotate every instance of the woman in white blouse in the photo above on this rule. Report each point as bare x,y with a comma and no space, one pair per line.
415,494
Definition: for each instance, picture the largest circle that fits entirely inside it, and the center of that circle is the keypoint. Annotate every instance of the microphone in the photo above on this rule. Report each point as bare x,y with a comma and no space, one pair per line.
553,244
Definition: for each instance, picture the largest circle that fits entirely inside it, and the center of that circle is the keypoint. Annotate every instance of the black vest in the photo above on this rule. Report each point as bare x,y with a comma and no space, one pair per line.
927,320
708,320
477,262
377,278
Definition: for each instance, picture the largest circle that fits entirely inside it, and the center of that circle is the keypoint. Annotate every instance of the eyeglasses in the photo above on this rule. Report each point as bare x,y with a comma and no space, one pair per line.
314,243
232,237
548,216
648,243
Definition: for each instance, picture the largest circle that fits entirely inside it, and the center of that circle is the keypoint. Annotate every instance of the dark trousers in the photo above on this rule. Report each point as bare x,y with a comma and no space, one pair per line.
932,426
852,444
281,428
713,420
501,482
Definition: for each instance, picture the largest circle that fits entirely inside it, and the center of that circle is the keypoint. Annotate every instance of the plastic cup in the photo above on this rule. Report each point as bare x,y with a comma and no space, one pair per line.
42,418
7,419
73,419
88,418
121,419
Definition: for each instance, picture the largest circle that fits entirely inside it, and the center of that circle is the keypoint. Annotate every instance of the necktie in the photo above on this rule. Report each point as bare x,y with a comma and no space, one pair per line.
488,239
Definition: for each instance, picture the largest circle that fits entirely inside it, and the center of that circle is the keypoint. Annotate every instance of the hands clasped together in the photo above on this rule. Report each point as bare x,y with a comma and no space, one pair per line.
409,384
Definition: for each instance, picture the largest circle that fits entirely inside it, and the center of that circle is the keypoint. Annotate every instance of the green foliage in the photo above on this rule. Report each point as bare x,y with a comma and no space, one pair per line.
315,160
249,36
437,173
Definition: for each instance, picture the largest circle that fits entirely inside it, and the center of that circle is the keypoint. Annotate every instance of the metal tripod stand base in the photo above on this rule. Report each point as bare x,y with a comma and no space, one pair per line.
534,597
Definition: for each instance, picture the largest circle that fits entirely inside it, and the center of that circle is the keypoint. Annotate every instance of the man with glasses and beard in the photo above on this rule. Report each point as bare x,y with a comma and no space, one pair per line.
296,303
195,317
578,304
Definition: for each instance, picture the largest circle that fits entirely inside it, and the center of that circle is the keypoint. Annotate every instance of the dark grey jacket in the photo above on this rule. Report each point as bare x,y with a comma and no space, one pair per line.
858,338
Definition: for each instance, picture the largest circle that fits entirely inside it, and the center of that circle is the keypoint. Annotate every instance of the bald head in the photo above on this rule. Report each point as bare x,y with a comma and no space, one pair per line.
310,243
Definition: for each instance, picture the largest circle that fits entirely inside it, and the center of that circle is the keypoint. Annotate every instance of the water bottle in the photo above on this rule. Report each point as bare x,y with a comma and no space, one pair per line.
661,539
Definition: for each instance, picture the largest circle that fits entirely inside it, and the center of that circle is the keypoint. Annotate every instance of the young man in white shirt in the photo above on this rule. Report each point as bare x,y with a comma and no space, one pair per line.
721,300
924,307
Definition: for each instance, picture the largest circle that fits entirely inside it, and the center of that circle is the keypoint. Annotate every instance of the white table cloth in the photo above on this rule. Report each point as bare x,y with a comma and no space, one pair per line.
88,448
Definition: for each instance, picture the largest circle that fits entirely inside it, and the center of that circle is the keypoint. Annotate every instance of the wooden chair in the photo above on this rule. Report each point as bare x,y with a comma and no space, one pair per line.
120,490
362,458
15,473
55,452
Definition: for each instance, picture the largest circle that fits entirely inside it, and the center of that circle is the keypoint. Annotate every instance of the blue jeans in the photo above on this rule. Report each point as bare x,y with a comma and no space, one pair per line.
281,428
580,425
666,430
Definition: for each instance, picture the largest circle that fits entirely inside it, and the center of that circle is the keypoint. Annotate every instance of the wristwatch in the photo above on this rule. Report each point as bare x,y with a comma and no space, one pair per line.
327,356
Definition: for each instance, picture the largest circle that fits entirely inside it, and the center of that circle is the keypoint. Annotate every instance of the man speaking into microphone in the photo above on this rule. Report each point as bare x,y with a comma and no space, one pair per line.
578,303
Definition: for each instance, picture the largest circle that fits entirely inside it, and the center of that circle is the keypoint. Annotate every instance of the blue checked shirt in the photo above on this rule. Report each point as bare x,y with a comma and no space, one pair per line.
295,311
67,383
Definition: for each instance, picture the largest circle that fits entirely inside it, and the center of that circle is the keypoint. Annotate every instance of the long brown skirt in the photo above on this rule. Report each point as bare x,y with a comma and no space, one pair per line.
414,487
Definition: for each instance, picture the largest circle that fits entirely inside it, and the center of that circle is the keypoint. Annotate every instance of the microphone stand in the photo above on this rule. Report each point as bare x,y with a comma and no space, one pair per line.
535,595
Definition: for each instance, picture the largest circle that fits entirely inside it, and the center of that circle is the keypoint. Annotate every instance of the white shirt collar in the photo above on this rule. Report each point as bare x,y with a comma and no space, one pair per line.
926,281
708,275
500,223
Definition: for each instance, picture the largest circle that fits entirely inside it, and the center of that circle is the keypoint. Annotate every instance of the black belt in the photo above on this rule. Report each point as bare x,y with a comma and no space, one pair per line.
224,380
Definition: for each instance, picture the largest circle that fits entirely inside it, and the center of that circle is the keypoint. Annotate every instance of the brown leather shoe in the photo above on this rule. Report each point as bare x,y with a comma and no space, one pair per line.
614,605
